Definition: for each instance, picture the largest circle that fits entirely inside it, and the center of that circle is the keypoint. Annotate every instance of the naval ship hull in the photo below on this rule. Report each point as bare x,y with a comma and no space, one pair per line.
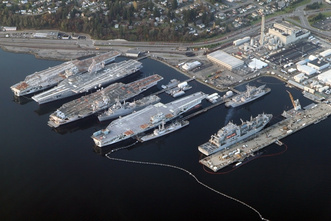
148,118
237,104
209,148
88,81
48,78
100,100
128,108
162,132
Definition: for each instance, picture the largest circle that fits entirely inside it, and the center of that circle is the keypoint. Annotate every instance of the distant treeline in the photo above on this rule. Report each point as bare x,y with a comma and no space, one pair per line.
101,25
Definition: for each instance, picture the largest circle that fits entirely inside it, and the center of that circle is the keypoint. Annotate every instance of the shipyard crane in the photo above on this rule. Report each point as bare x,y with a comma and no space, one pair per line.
296,103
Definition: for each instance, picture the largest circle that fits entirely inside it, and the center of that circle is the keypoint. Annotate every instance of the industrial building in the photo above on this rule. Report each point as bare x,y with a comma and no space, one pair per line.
306,69
318,64
224,59
288,33
325,53
241,41
299,77
257,64
132,53
325,77
191,65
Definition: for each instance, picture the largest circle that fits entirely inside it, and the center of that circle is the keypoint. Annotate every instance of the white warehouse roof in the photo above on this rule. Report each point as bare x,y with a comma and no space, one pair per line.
326,53
226,60
191,65
325,77
257,64
306,69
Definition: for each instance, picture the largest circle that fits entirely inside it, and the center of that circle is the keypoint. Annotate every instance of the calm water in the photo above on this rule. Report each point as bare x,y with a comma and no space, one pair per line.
60,175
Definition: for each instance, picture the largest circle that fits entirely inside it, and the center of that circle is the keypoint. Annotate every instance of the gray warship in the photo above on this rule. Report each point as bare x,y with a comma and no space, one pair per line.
50,77
145,119
85,82
100,100
232,133
125,108
251,93
164,130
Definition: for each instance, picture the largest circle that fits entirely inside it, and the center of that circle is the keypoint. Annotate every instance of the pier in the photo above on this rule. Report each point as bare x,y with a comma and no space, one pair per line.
239,151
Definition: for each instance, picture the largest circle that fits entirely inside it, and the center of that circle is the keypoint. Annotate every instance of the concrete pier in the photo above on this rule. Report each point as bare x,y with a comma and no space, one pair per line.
239,151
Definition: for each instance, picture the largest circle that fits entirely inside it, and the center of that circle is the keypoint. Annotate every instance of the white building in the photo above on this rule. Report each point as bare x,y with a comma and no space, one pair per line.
299,77
191,65
325,77
306,69
325,53
318,65
224,59
288,33
5,28
257,64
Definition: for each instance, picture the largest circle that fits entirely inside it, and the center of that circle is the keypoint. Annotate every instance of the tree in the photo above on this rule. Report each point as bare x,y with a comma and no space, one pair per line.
174,4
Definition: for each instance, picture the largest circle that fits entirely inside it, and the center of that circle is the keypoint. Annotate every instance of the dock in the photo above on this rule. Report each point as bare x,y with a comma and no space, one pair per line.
241,150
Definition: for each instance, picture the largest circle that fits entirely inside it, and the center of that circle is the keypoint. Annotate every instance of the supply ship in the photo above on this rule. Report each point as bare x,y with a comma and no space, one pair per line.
85,82
163,130
125,108
50,77
145,119
100,100
232,133
251,93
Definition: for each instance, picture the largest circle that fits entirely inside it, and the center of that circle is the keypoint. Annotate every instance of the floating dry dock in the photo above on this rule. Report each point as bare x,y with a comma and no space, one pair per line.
239,151
50,77
100,100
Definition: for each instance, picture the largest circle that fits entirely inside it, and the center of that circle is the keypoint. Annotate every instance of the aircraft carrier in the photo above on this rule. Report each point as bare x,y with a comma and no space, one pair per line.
252,93
50,77
247,148
232,133
100,100
88,81
145,119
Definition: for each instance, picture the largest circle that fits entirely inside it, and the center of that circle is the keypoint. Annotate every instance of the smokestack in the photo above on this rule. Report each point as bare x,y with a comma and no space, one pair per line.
262,30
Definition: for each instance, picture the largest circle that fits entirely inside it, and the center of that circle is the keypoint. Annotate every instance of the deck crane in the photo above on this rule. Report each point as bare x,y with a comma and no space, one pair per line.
296,103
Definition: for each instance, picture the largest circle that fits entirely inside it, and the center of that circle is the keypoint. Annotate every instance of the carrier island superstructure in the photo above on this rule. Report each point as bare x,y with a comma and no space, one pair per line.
50,77
232,133
145,119
100,100
85,82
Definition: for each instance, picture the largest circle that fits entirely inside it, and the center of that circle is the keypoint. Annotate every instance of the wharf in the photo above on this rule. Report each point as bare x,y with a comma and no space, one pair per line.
239,151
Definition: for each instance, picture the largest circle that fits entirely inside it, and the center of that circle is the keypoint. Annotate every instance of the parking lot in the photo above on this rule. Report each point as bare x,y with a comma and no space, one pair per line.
293,53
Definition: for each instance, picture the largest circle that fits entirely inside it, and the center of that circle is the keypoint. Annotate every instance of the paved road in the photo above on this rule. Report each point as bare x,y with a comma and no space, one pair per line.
89,44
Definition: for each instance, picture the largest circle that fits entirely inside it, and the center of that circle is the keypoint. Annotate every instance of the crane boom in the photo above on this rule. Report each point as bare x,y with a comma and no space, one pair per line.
291,97
296,104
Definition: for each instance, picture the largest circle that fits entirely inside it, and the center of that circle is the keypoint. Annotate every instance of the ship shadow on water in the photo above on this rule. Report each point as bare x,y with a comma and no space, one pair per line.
22,100
81,124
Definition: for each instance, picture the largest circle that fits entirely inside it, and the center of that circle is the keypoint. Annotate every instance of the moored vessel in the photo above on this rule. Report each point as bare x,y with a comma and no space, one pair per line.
232,133
124,108
252,93
50,77
164,130
100,100
145,119
88,81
